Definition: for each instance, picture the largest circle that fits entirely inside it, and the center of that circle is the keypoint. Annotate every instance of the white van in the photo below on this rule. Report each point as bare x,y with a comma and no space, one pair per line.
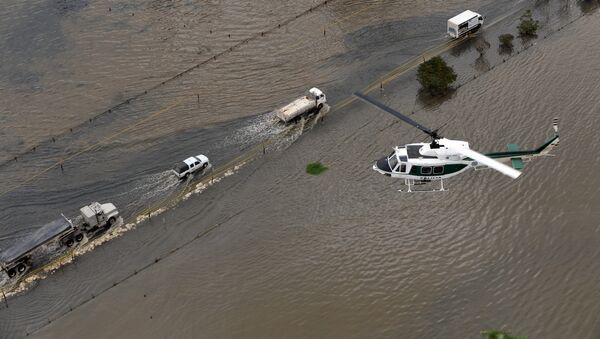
464,23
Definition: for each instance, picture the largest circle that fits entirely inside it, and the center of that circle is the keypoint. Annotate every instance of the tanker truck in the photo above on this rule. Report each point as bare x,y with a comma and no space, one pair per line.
310,103
63,233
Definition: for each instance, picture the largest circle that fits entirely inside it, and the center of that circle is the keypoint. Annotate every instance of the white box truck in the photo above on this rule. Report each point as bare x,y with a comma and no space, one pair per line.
464,23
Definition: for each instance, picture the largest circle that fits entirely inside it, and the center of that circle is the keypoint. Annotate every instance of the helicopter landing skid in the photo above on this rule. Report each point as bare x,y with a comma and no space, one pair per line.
410,183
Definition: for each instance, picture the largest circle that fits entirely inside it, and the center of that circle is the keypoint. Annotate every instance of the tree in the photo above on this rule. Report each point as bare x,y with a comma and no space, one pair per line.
481,46
499,335
528,26
506,40
436,76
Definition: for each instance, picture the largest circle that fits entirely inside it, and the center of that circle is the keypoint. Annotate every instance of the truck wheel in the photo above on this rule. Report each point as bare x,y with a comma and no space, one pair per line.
12,273
320,106
110,221
21,268
69,242
79,237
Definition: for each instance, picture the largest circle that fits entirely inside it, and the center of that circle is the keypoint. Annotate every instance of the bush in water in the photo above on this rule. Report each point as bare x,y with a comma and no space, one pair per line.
315,168
436,76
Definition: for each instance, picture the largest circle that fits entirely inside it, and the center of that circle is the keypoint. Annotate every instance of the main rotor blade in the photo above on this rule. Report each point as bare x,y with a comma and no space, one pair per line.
482,159
397,114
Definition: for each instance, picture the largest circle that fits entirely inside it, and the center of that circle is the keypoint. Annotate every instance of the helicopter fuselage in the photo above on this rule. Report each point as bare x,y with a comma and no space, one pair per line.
424,161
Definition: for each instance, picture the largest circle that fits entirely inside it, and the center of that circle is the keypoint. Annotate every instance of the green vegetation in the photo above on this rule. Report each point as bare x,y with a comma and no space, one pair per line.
499,335
436,76
528,26
506,40
316,168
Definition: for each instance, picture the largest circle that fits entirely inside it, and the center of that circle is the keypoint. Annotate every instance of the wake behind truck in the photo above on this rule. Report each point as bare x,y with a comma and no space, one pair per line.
94,220
312,102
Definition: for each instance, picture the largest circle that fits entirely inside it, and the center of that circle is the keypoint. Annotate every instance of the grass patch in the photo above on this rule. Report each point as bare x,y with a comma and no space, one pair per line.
493,334
316,168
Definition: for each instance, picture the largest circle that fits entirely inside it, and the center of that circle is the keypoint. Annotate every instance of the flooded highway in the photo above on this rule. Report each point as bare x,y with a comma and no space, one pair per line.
270,251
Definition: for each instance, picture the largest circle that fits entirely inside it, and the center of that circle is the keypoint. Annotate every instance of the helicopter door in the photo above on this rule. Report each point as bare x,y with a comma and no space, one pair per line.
403,168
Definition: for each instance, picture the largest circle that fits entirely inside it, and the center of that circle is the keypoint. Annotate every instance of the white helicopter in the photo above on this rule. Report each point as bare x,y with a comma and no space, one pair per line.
421,163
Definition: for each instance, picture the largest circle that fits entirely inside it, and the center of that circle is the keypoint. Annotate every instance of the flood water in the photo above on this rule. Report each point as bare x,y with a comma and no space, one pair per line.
270,251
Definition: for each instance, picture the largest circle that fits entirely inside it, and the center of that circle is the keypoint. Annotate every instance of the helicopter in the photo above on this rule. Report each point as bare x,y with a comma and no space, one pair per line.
442,158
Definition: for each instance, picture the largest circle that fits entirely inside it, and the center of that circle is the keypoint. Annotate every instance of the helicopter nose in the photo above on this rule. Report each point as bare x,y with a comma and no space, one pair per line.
383,165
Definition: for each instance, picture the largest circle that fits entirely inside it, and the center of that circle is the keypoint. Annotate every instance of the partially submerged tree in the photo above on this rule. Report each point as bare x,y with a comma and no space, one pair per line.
316,168
436,76
528,26
481,46
493,334
506,40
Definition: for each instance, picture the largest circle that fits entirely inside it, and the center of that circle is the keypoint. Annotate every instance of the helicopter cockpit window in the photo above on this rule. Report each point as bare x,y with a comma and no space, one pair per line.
438,170
393,161
403,158
403,168
425,170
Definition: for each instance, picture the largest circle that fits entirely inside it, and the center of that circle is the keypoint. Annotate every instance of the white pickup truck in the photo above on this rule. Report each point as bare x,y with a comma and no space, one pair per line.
190,165
312,102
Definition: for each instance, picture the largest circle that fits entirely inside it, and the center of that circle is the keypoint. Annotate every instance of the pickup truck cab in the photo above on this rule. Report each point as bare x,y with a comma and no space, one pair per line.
190,165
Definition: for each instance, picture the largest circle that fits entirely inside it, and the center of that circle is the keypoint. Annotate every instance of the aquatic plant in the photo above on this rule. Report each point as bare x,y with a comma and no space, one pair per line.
493,334
528,26
436,76
316,168
506,40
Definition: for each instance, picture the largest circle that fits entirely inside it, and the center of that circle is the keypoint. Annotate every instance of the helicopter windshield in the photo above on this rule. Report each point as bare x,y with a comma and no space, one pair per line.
393,161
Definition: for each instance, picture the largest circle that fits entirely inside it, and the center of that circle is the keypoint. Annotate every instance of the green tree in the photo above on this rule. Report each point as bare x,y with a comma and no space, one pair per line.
436,76
499,335
506,40
528,26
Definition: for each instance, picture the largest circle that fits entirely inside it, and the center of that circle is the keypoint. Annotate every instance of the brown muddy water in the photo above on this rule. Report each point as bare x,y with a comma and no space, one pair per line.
284,254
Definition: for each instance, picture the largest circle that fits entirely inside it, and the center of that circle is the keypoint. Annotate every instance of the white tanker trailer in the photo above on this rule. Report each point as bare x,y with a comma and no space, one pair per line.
310,103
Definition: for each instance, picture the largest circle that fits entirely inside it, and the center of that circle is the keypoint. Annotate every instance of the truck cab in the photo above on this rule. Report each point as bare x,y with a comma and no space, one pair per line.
318,96
98,215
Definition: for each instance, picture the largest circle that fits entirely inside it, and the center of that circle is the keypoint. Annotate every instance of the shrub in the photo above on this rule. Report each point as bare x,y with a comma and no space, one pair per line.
316,168
481,46
436,76
506,40
528,26
499,335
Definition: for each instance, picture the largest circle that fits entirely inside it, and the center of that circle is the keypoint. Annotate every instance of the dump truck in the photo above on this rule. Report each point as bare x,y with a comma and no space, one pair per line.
464,23
94,220
310,103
